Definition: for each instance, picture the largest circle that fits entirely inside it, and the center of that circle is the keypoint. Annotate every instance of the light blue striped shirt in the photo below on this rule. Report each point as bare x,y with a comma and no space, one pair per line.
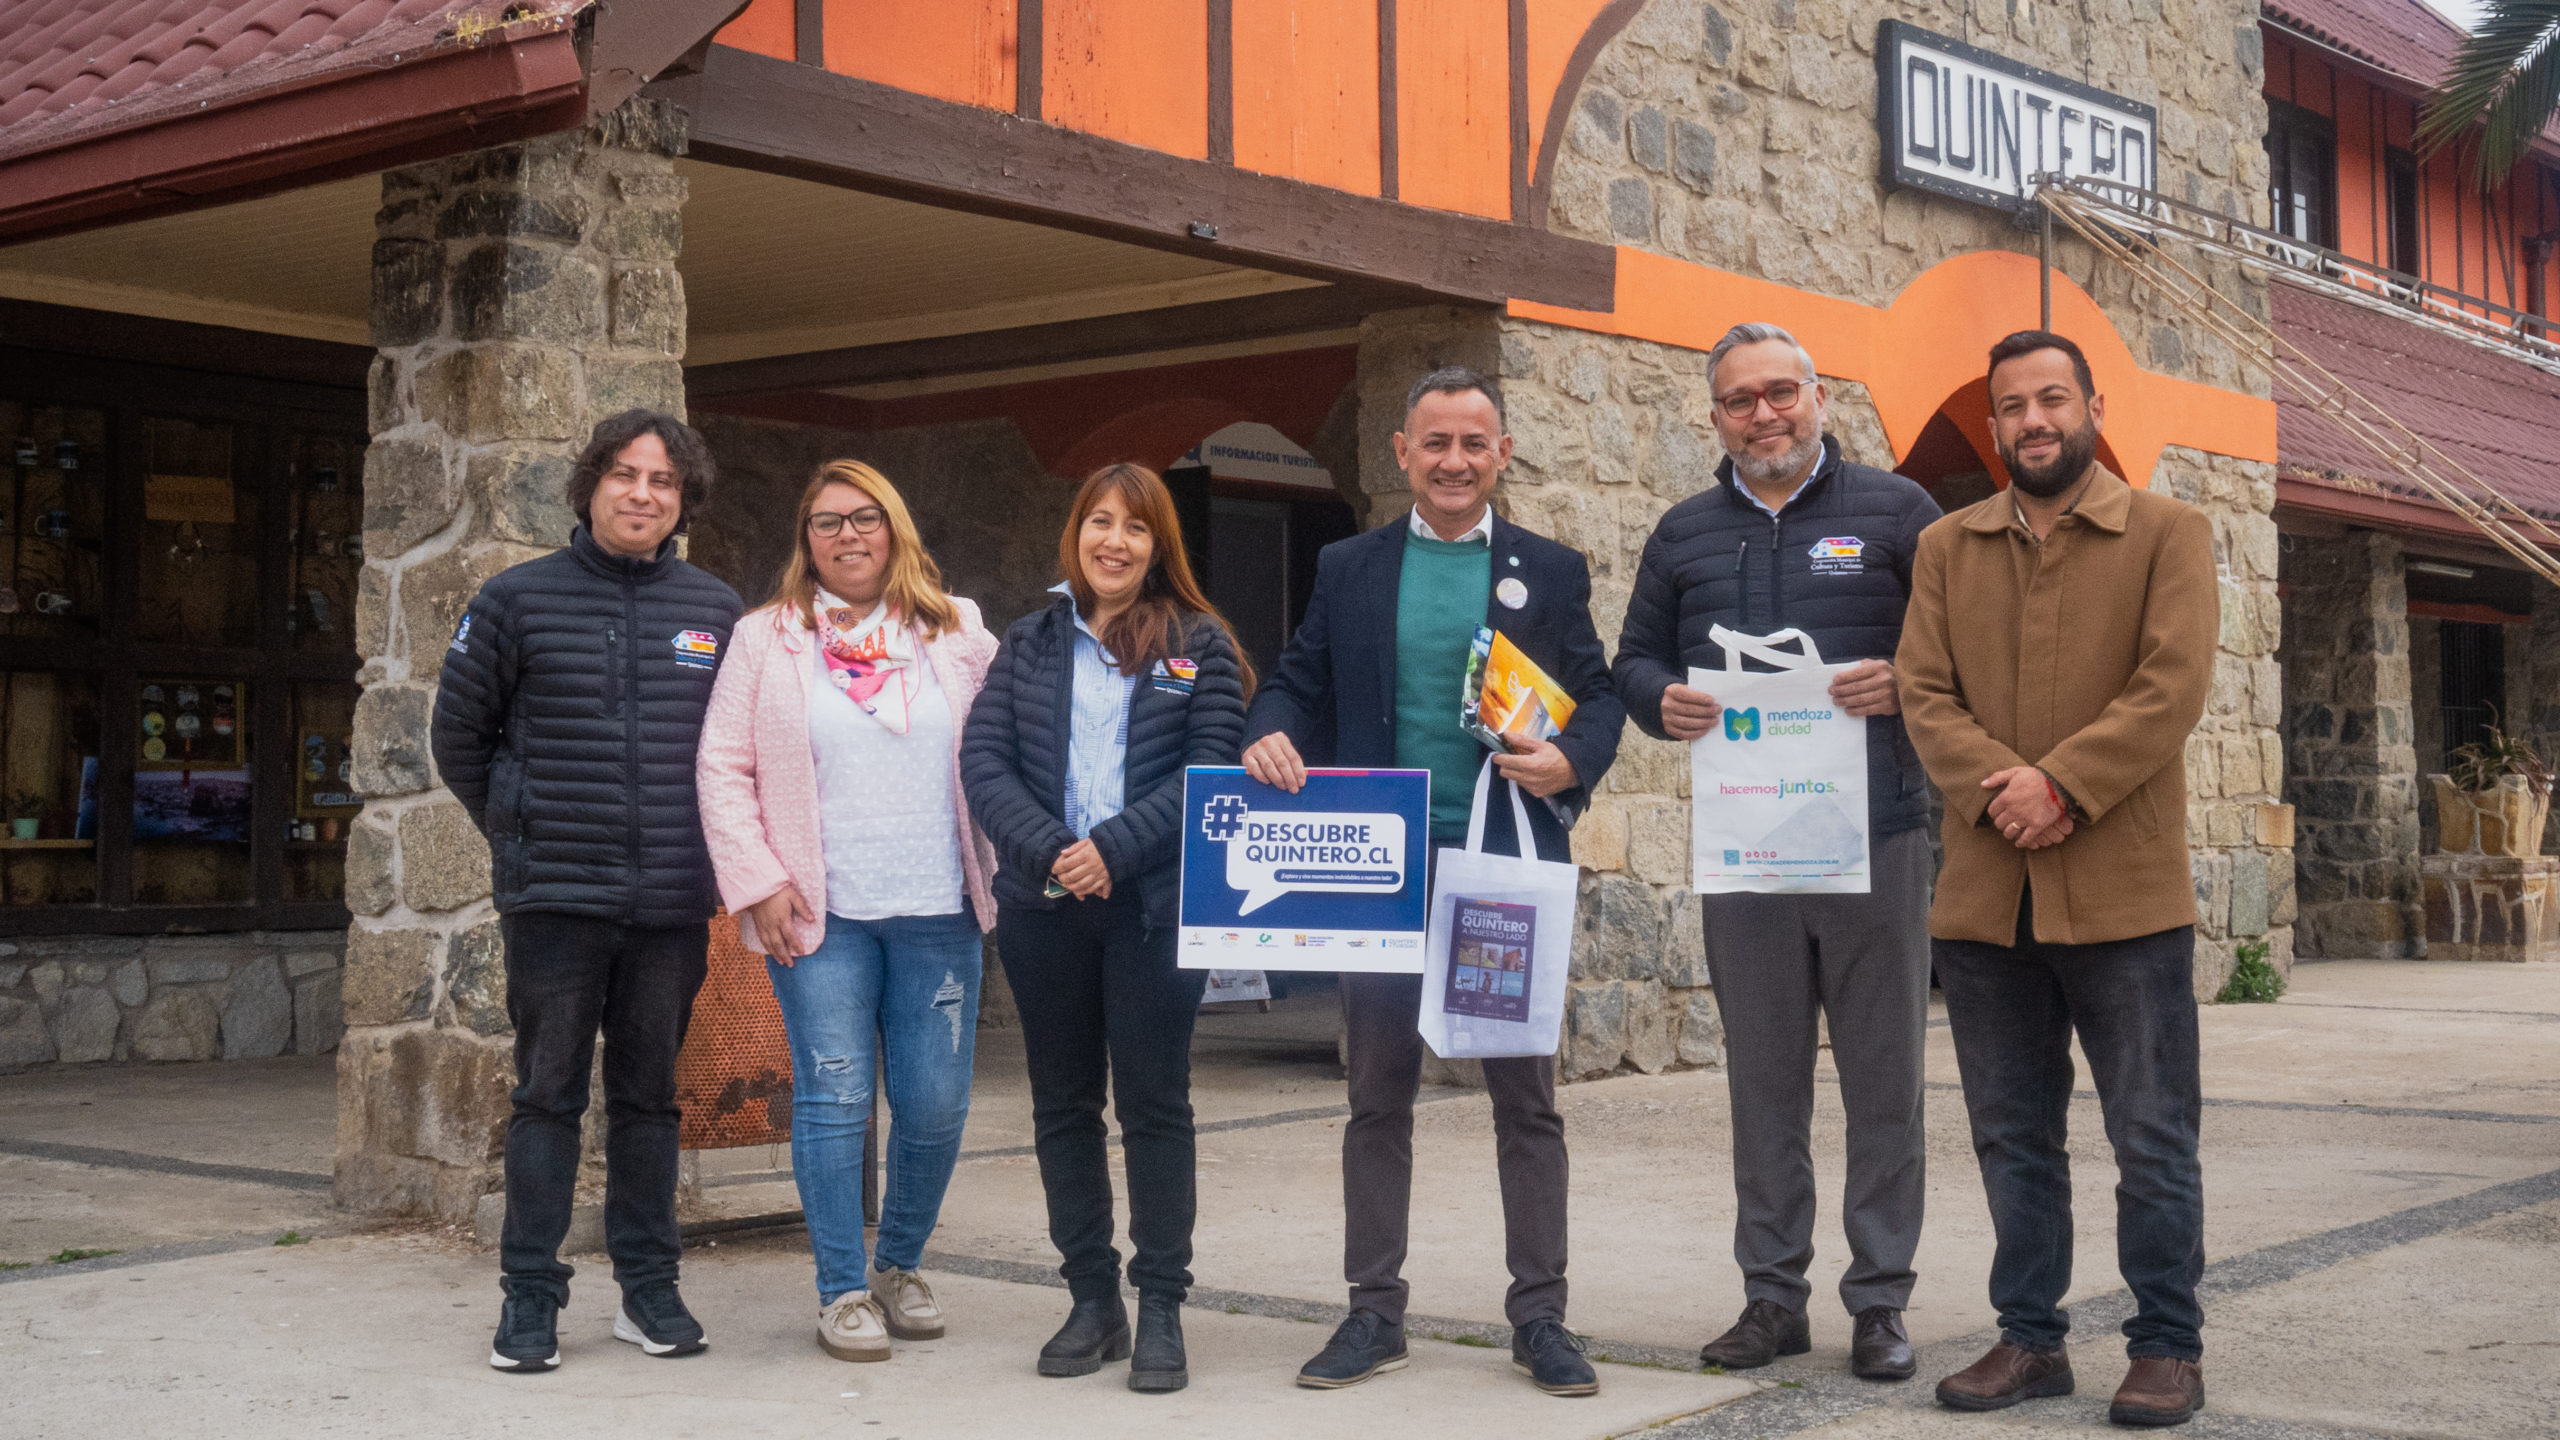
1097,733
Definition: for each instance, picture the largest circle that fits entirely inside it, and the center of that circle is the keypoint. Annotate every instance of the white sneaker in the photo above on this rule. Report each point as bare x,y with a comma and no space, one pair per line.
908,1305
854,1328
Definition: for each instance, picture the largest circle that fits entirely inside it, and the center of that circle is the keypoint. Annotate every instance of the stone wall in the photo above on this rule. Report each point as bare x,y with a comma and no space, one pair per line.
988,513
520,294
1742,136
78,999
2352,766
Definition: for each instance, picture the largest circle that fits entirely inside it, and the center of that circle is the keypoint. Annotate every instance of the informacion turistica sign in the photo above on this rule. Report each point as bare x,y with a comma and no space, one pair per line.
1960,121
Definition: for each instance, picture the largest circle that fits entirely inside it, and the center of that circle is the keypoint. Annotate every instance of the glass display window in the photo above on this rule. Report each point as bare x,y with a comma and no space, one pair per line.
325,802
326,540
199,560
53,532
49,778
193,791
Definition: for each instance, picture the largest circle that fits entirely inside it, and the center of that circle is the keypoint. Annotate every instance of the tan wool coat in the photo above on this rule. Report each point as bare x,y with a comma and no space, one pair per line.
2087,655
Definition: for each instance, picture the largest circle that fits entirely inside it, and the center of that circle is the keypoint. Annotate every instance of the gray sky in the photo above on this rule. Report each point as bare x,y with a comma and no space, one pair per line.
2460,12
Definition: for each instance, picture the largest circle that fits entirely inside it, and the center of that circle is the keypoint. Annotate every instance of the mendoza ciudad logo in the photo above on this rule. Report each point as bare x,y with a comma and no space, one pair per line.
1749,724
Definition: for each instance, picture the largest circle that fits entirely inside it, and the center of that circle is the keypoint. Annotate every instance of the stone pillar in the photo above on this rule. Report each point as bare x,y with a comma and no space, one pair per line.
2352,770
519,295
2240,831
1398,347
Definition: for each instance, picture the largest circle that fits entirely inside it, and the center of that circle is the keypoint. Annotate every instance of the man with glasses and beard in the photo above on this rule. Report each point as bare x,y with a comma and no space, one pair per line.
2059,646
1796,536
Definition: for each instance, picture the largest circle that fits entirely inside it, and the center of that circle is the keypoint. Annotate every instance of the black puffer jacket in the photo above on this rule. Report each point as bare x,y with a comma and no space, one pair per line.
566,720
1718,559
1013,758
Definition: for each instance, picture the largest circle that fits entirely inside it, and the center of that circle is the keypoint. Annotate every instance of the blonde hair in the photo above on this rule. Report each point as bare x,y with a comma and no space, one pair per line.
914,590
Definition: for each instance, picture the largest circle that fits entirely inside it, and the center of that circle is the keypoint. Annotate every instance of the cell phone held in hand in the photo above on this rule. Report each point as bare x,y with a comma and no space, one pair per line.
1056,891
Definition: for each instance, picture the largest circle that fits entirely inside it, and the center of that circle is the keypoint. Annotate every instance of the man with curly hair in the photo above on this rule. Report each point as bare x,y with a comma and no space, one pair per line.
566,720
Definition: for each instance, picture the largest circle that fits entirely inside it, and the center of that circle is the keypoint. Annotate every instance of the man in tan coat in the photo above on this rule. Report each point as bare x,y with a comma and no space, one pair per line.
2056,654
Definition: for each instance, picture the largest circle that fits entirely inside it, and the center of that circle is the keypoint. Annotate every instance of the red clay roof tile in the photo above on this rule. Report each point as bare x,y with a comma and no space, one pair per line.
2498,417
71,69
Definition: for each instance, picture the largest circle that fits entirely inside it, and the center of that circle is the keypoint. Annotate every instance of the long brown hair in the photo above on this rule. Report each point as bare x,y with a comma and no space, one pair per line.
914,589
1151,627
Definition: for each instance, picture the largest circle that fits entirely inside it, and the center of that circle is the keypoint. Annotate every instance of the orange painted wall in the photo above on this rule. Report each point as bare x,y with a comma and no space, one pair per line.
1306,90
1453,105
767,27
2468,243
1133,70
950,49
1916,354
1555,28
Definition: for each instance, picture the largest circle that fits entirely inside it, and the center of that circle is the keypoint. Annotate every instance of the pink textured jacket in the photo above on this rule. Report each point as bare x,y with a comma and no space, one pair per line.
759,783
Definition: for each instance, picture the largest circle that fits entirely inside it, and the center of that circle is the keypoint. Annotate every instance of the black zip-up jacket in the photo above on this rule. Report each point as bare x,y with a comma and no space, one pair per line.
566,720
1836,564
1013,757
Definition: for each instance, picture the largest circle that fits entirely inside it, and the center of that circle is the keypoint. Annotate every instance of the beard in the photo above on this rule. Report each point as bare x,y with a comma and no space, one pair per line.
2070,461
1798,460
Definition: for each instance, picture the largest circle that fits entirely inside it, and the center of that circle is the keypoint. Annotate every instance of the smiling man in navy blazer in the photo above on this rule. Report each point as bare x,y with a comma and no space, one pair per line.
1373,680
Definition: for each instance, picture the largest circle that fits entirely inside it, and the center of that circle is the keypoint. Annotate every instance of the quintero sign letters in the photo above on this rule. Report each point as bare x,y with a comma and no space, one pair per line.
1960,121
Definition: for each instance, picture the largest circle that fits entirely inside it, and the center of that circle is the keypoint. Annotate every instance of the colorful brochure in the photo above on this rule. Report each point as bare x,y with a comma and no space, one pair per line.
1507,694
1489,959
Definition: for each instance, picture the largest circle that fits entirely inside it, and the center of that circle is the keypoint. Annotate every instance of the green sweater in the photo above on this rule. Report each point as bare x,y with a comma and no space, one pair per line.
1439,603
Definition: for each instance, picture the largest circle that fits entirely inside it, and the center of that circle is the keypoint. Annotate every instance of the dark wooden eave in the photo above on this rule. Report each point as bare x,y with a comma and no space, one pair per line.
760,113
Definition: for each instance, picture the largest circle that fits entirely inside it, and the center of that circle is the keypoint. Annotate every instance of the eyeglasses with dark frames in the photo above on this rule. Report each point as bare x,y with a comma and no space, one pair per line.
1739,404
827,524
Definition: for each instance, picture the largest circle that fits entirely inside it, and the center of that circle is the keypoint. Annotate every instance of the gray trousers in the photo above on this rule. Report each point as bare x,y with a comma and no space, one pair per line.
1381,1012
1862,961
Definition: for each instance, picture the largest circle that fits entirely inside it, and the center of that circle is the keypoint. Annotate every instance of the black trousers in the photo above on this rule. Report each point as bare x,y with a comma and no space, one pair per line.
1380,1013
568,976
1104,1008
2012,1010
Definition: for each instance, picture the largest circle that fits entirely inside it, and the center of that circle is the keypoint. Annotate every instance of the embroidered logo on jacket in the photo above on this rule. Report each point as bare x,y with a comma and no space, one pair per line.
1176,676
697,648
461,642
1838,555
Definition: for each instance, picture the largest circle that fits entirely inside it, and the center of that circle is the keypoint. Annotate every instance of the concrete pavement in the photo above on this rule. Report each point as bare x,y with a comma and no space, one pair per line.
2382,1155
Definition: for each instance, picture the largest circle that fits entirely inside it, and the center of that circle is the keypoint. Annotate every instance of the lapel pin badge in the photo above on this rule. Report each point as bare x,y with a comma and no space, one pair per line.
1511,593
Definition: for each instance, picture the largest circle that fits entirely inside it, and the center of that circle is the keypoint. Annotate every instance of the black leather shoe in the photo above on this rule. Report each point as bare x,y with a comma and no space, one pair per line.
1766,1331
1364,1345
1551,1356
1096,1331
1881,1350
1157,1364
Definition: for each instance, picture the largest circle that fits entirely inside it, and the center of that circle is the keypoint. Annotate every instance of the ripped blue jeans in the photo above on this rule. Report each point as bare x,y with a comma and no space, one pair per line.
906,987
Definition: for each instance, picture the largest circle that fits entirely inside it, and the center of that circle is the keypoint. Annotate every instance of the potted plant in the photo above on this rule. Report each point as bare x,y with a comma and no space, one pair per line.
2495,800
26,813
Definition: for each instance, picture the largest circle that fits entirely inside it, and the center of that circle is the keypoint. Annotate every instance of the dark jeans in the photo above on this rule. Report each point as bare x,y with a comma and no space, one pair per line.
2013,1009
567,976
1104,1007
1380,1014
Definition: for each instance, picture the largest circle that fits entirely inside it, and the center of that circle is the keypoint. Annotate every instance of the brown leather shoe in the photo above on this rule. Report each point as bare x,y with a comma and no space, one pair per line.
2006,1376
2159,1390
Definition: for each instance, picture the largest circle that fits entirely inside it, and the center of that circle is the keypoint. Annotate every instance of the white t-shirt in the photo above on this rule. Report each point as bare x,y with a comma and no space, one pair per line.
886,821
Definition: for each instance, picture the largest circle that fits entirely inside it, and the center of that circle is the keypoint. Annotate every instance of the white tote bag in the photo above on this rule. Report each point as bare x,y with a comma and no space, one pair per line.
1778,789
1500,941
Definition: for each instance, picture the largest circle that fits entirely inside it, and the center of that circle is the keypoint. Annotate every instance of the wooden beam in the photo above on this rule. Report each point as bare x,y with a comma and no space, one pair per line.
1291,312
1389,148
1222,81
1030,57
759,113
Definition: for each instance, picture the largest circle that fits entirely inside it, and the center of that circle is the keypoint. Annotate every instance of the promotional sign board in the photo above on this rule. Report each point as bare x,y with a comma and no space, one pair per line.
1960,121
1331,878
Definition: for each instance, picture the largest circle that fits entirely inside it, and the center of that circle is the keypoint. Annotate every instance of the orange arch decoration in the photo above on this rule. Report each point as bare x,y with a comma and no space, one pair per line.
1152,435
1916,353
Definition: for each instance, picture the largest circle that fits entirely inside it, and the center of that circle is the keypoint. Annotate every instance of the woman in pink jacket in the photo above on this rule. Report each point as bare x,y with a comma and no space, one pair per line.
830,784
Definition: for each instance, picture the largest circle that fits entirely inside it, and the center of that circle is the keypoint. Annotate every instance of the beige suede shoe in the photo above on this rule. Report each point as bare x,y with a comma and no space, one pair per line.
854,1328
907,1304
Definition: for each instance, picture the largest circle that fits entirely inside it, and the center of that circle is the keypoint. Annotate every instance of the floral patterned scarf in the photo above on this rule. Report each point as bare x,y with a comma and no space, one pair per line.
871,658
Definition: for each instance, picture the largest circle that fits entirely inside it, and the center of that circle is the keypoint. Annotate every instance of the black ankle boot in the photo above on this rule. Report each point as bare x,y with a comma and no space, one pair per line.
1159,1363
1096,1330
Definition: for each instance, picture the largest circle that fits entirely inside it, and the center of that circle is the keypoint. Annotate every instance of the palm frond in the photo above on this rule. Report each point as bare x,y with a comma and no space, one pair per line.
2505,81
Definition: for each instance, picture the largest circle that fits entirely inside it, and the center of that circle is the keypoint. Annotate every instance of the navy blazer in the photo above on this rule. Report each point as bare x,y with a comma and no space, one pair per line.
1333,690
